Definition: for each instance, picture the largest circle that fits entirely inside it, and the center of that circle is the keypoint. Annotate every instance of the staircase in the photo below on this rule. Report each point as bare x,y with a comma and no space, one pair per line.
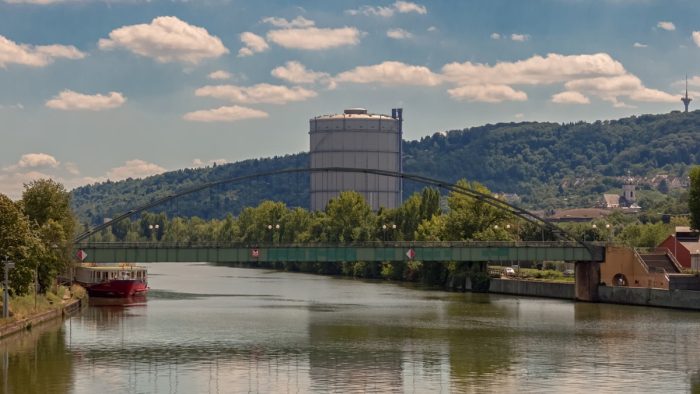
660,261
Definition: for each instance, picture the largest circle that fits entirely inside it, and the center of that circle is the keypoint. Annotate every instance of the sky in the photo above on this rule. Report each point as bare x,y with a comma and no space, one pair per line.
97,90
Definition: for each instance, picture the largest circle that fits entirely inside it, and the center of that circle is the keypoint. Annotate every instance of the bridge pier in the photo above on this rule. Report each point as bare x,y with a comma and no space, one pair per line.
587,280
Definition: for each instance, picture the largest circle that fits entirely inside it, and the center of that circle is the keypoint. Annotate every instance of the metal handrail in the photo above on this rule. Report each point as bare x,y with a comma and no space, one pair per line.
641,260
395,244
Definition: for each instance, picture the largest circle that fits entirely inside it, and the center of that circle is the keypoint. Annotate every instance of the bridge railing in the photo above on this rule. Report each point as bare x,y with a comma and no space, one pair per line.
370,244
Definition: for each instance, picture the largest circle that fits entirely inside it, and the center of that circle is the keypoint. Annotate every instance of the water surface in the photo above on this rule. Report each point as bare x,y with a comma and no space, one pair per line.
211,329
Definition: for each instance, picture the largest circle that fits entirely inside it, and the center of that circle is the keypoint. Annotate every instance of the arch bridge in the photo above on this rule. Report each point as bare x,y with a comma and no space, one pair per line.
565,248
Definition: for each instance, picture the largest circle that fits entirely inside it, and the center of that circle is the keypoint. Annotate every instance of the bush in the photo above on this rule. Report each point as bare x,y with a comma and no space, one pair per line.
480,280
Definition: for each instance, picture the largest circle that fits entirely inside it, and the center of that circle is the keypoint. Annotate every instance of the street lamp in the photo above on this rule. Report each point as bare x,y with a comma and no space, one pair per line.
152,227
593,233
387,227
271,227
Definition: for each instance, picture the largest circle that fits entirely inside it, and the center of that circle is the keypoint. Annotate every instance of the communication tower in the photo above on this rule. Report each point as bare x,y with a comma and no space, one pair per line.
686,100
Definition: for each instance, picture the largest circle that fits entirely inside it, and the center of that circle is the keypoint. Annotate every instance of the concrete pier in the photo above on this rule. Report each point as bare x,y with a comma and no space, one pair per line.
587,281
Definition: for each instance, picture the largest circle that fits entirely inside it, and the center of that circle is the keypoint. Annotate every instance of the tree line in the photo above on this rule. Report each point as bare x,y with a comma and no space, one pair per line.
36,233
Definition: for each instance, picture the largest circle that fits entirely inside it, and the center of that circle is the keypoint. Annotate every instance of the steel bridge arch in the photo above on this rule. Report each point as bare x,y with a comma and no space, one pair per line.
486,198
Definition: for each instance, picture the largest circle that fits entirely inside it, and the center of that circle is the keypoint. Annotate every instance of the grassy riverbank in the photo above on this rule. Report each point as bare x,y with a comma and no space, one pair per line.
24,307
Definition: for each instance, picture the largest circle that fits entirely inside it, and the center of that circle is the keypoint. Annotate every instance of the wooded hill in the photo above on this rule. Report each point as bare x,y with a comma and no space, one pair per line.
547,164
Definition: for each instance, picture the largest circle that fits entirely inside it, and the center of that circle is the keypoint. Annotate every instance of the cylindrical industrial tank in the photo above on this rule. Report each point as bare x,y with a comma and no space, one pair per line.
356,139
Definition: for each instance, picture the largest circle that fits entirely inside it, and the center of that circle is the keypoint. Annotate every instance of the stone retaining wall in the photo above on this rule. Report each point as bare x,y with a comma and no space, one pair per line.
683,299
533,288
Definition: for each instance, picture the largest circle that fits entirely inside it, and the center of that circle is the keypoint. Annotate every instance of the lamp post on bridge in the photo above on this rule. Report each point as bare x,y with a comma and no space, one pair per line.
386,227
594,232
152,227
272,229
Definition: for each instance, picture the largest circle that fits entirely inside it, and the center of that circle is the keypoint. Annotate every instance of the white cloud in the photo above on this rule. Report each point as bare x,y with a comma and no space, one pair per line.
519,115
570,98
495,36
432,28
34,55
297,73
69,100
391,73
260,93
166,39
519,37
696,38
225,114
487,93
402,7
669,26
384,12
34,160
613,88
639,45
299,21
398,34
596,75
253,44
219,74
134,169
536,70
692,81
313,38
407,6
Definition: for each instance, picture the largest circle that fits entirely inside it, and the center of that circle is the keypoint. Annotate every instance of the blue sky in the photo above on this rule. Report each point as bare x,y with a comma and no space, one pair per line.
96,90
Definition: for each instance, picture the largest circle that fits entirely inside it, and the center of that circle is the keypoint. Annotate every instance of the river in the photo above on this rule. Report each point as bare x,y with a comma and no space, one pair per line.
213,329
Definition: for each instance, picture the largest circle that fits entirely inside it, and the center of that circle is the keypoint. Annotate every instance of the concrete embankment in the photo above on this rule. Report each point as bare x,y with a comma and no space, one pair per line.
532,288
25,324
681,299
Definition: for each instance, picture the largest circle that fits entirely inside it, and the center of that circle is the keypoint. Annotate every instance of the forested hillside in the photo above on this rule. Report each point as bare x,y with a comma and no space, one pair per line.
547,164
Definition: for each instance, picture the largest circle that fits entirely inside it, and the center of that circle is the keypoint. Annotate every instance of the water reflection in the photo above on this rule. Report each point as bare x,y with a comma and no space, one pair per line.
36,361
207,329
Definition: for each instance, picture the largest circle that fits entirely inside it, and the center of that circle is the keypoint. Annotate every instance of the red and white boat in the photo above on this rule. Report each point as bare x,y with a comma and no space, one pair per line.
122,280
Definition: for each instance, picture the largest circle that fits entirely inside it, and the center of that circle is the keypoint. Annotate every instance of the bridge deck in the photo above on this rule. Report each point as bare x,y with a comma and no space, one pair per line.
387,251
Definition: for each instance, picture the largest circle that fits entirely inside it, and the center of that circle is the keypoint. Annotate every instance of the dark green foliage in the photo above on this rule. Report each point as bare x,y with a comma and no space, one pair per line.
548,164
480,280
694,198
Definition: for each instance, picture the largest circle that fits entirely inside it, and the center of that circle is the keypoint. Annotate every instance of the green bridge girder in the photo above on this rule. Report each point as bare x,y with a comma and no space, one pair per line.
388,251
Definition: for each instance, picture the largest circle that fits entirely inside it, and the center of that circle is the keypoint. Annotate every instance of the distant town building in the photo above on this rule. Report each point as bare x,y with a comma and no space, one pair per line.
627,200
684,244
576,215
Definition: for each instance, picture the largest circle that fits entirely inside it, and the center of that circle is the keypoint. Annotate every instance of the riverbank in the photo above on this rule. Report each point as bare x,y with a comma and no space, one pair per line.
25,314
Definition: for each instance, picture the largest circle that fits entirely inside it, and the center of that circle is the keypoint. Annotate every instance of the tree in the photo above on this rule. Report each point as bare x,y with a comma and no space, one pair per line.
470,218
46,203
694,197
46,199
18,244
349,219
